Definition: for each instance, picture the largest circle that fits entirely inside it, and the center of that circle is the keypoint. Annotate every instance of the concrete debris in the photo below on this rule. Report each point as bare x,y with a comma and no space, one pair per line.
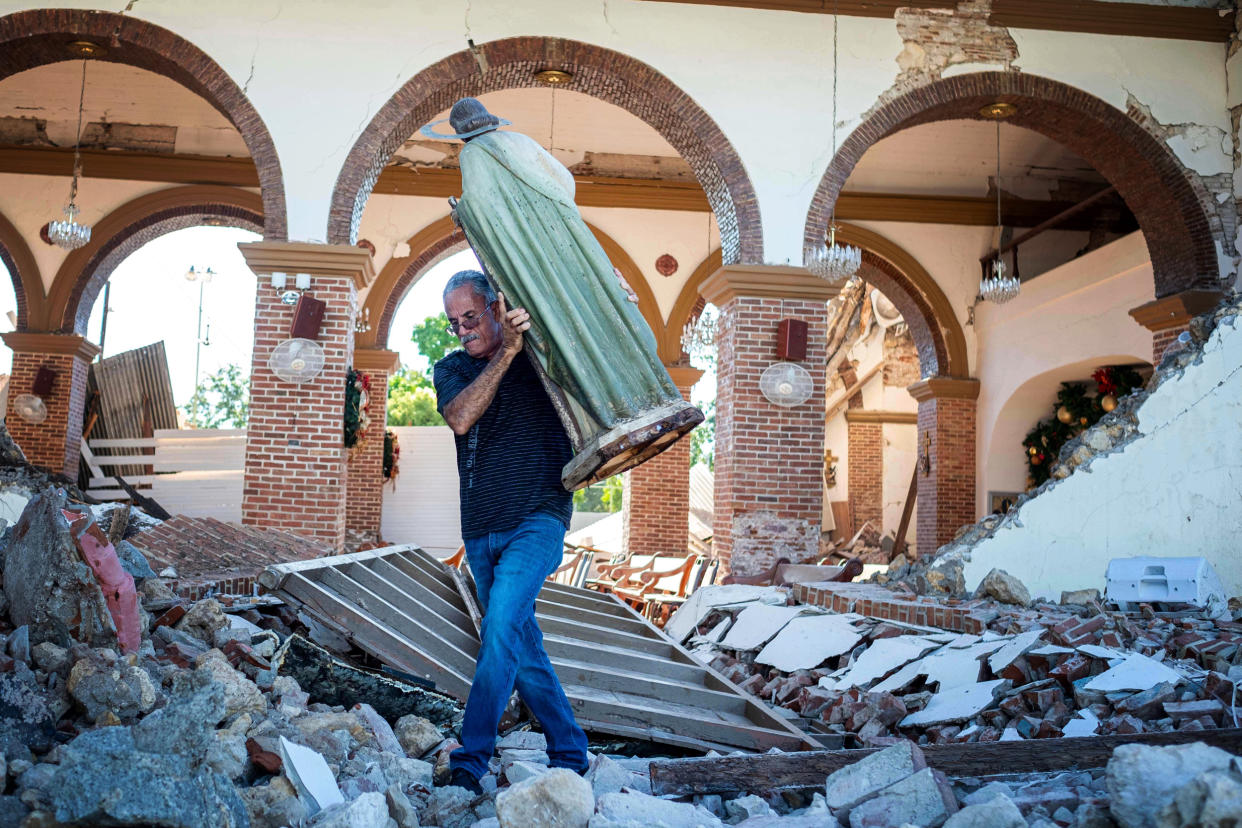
47,585
1005,588
862,780
417,735
757,624
559,798
808,641
1143,780
923,798
998,812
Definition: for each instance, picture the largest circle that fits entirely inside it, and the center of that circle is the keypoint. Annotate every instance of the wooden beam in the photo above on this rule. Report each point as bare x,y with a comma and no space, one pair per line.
592,191
1108,18
808,769
1087,16
848,8
131,166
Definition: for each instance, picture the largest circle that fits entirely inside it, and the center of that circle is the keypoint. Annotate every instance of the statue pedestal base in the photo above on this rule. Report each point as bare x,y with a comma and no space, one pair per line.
630,443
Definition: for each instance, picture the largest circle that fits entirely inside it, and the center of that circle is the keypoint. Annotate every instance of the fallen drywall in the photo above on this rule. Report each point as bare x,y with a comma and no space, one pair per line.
1162,475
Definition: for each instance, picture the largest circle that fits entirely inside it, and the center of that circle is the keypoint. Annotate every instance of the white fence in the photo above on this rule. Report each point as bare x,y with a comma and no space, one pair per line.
196,472
423,508
199,473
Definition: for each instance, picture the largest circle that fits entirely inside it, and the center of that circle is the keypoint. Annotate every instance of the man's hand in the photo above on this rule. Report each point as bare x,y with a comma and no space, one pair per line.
513,323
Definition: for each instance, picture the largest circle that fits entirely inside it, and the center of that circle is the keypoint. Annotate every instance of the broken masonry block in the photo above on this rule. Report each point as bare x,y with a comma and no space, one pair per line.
330,680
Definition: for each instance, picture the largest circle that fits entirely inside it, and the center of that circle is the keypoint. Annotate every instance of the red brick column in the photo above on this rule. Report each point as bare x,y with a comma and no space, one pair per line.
866,470
364,497
946,446
55,443
1167,317
769,488
655,506
295,475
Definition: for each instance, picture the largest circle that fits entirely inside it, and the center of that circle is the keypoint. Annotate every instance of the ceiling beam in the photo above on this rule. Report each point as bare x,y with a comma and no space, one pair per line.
592,191
1086,16
849,8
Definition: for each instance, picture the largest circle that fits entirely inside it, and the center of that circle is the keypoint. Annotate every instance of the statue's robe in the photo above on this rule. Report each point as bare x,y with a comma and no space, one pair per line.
517,209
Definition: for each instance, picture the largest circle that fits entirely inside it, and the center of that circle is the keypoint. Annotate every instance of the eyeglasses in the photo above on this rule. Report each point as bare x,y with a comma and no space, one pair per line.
469,321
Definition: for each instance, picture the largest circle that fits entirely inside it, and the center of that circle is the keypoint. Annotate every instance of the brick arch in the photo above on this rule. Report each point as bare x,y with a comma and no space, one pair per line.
35,38
602,73
443,237
24,271
83,273
937,333
1168,204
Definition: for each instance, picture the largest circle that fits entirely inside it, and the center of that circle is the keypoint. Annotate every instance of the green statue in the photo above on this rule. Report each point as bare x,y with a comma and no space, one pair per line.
592,346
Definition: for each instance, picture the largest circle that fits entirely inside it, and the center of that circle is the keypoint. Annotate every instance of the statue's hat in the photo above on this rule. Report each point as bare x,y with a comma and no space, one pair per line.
468,118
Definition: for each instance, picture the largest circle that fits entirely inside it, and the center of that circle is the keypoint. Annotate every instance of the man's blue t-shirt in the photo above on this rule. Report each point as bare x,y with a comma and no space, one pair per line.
509,462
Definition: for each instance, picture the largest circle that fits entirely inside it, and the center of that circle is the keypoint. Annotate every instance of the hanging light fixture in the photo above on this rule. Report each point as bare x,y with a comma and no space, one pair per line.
698,338
828,260
997,285
67,232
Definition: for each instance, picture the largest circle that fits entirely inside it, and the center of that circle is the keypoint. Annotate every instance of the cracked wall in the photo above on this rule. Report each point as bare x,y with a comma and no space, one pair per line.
1161,475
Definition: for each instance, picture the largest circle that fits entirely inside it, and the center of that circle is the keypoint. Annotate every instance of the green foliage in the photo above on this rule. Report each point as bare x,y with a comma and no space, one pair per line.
703,439
411,395
221,400
412,400
356,419
604,496
434,340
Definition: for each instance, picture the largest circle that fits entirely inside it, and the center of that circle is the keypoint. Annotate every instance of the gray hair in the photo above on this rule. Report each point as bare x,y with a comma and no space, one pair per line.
473,279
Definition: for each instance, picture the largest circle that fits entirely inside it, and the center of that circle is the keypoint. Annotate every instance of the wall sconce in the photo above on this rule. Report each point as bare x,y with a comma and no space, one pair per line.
289,296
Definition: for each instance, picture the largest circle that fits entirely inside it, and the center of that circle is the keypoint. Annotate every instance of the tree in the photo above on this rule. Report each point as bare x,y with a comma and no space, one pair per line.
434,339
604,496
221,400
411,395
412,400
703,438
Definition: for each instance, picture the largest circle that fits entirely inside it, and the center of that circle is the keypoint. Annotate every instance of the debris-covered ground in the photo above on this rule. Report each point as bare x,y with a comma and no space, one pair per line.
123,703
1034,671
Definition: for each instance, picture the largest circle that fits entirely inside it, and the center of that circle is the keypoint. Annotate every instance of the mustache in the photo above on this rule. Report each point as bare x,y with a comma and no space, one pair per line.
469,338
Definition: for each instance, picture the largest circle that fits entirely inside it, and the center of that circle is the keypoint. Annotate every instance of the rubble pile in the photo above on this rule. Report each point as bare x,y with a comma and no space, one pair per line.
1037,672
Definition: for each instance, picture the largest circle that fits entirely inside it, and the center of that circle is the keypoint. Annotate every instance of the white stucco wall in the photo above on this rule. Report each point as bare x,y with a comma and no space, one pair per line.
318,73
1174,490
1062,326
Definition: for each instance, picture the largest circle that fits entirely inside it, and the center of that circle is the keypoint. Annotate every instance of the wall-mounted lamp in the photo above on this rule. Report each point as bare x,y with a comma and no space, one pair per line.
290,296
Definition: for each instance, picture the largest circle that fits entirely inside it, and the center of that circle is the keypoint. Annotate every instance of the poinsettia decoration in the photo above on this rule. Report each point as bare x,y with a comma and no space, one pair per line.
1076,410
357,407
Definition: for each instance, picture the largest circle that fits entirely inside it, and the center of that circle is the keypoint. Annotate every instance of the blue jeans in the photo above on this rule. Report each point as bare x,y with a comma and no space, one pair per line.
509,568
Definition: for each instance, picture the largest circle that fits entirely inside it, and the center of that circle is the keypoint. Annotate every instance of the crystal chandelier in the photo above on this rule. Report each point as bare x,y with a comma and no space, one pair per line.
67,232
834,262
698,338
829,260
997,285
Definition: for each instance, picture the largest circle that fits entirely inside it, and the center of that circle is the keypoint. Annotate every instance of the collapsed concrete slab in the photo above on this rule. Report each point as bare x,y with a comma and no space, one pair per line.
48,585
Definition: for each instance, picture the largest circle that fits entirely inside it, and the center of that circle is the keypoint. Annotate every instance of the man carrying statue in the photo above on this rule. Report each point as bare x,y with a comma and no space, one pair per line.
558,384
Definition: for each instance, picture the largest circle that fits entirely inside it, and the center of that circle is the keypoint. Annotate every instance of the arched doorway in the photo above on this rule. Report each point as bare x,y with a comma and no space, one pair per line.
29,39
85,271
598,72
1168,205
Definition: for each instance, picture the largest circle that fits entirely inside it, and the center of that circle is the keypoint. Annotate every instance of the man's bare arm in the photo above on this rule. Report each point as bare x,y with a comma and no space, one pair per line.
464,410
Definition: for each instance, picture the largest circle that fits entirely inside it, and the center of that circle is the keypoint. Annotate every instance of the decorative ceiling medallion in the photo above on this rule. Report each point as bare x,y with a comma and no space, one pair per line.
666,265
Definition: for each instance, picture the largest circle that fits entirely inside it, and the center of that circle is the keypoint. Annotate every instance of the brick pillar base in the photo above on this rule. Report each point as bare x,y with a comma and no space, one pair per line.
1167,317
866,471
946,446
295,476
655,507
55,443
364,497
769,488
